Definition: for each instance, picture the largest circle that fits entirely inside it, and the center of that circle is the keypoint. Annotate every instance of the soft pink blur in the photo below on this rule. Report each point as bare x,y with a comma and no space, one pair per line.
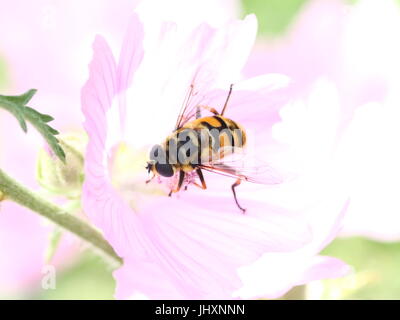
314,126
322,42
369,155
353,49
45,47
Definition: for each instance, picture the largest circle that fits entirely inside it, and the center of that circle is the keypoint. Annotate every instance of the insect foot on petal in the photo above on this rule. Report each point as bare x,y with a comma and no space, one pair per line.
63,178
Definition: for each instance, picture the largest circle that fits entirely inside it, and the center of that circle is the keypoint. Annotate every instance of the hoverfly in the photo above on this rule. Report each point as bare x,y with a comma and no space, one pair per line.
202,143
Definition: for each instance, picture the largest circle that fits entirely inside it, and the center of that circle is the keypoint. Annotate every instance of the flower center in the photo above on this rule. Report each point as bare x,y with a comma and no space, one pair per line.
129,175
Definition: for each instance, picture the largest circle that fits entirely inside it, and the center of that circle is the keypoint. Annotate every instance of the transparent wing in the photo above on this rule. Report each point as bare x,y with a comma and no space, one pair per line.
195,97
240,165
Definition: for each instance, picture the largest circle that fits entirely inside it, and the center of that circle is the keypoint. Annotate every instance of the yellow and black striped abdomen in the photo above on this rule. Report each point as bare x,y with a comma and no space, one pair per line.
203,140
230,133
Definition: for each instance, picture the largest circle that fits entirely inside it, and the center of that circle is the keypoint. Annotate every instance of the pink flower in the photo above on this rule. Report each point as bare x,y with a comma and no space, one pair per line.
332,40
309,125
369,154
189,245
327,40
370,160
310,48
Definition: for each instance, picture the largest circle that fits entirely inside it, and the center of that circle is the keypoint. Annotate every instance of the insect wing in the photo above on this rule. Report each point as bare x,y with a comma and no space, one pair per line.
196,97
183,116
247,168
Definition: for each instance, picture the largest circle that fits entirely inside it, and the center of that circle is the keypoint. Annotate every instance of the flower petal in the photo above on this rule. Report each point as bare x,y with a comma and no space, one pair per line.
199,249
130,58
276,273
175,59
322,267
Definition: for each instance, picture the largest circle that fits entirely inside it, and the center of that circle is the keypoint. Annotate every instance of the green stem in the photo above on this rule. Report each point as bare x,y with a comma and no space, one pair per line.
13,190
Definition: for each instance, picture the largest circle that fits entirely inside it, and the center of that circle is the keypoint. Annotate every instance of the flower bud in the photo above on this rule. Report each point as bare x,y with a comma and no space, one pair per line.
63,178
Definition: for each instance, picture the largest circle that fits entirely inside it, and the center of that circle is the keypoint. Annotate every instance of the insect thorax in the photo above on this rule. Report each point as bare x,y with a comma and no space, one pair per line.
202,141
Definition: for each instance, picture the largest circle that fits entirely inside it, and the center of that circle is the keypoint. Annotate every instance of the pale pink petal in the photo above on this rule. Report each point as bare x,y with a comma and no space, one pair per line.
311,47
205,57
97,98
322,267
190,14
335,228
221,60
198,250
130,58
277,273
131,53
254,103
140,278
319,191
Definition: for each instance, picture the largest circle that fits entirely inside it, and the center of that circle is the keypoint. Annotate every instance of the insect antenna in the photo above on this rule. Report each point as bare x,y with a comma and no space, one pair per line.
227,99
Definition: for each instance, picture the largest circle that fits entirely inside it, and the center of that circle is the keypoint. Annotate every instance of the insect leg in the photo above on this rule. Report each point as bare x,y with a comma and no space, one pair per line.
227,99
147,181
237,182
180,182
203,182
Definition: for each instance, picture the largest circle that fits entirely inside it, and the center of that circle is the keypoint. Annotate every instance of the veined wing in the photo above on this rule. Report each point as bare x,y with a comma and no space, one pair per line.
194,99
247,168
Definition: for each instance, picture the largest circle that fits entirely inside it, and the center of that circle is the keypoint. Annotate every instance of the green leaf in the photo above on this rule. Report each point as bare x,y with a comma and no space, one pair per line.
16,105
274,16
22,99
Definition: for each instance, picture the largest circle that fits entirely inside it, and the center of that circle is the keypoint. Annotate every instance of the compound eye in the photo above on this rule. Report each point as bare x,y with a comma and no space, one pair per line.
165,170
